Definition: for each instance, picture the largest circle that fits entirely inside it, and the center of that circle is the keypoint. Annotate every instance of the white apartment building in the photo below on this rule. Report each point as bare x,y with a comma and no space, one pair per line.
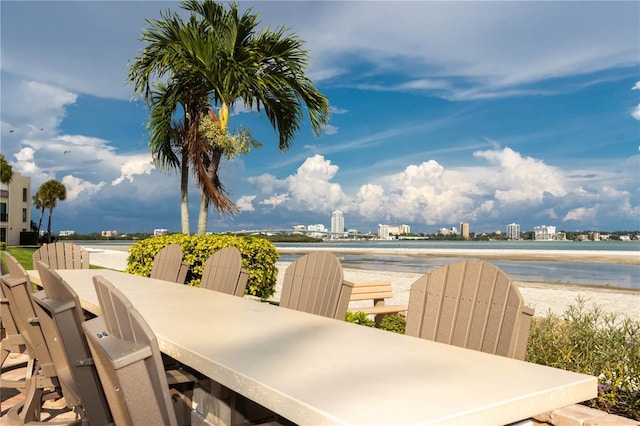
383,232
337,224
317,231
544,233
448,231
513,231
160,231
15,209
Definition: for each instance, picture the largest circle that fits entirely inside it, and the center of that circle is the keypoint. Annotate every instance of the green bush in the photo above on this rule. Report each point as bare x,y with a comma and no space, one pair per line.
360,318
592,342
3,245
395,323
259,257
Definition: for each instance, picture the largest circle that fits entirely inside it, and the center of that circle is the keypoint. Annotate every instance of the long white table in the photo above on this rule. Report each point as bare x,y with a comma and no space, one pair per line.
314,370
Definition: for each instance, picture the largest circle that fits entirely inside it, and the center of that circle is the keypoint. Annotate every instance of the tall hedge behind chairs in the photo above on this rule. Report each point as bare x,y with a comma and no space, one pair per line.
259,257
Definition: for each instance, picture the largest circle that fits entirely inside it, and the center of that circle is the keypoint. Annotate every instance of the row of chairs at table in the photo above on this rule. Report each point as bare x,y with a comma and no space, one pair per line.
470,303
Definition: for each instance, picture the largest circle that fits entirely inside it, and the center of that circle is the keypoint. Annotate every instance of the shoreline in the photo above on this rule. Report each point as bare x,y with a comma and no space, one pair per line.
544,297
591,256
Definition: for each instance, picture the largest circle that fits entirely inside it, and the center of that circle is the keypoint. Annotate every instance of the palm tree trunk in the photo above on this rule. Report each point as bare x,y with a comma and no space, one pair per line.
212,175
49,226
184,194
203,217
40,221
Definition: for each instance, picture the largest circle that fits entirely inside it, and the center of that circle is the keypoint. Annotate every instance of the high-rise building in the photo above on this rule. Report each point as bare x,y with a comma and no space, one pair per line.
337,224
513,231
464,230
383,232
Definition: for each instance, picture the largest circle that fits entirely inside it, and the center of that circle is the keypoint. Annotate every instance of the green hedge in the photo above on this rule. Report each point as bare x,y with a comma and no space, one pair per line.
259,257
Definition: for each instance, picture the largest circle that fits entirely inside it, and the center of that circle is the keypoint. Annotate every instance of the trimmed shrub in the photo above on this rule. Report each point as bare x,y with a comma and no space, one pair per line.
395,323
259,257
359,318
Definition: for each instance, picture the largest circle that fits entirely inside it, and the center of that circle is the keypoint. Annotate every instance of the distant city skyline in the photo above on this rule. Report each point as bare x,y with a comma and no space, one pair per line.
441,112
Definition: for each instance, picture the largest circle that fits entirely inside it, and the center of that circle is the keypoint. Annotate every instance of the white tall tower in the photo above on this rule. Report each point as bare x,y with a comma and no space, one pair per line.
513,231
337,224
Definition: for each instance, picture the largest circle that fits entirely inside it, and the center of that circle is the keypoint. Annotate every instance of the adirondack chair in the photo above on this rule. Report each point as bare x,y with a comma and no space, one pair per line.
58,310
62,255
315,284
42,380
472,304
12,340
128,360
168,265
223,272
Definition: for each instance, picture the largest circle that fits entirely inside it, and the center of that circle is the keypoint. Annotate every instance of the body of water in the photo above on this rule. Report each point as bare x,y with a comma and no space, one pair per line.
605,274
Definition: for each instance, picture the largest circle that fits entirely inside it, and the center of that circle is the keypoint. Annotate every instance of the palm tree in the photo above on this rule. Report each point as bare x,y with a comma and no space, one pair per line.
38,203
49,193
224,56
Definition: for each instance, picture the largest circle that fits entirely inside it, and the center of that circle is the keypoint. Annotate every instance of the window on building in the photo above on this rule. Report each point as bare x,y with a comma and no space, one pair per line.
24,215
4,217
4,193
24,195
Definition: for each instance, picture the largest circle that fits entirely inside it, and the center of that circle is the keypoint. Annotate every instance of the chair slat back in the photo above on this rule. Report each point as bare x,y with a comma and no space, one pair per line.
17,289
59,311
128,360
168,265
472,304
12,340
315,284
62,255
223,272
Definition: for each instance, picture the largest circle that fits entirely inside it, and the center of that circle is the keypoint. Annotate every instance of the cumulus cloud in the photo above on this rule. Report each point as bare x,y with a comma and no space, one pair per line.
245,203
635,113
276,200
75,186
636,86
140,165
517,179
504,185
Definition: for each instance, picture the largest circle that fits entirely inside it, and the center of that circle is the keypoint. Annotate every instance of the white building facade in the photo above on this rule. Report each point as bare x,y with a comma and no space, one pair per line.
513,231
15,209
544,233
337,224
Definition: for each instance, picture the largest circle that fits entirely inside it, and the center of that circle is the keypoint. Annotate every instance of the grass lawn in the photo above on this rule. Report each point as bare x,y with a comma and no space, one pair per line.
24,255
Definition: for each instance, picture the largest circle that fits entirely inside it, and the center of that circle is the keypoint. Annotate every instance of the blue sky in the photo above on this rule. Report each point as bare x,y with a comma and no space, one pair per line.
483,112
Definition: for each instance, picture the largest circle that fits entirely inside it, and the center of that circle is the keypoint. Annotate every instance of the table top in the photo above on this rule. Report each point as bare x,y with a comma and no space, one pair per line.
315,370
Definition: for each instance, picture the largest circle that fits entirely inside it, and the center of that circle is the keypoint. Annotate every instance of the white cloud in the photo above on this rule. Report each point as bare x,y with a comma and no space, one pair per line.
371,202
581,214
518,179
276,200
505,184
138,165
636,112
245,203
311,187
75,186
636,86
330,130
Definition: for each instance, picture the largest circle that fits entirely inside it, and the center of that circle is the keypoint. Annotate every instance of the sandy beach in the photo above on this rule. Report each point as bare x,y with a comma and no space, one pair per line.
542,296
